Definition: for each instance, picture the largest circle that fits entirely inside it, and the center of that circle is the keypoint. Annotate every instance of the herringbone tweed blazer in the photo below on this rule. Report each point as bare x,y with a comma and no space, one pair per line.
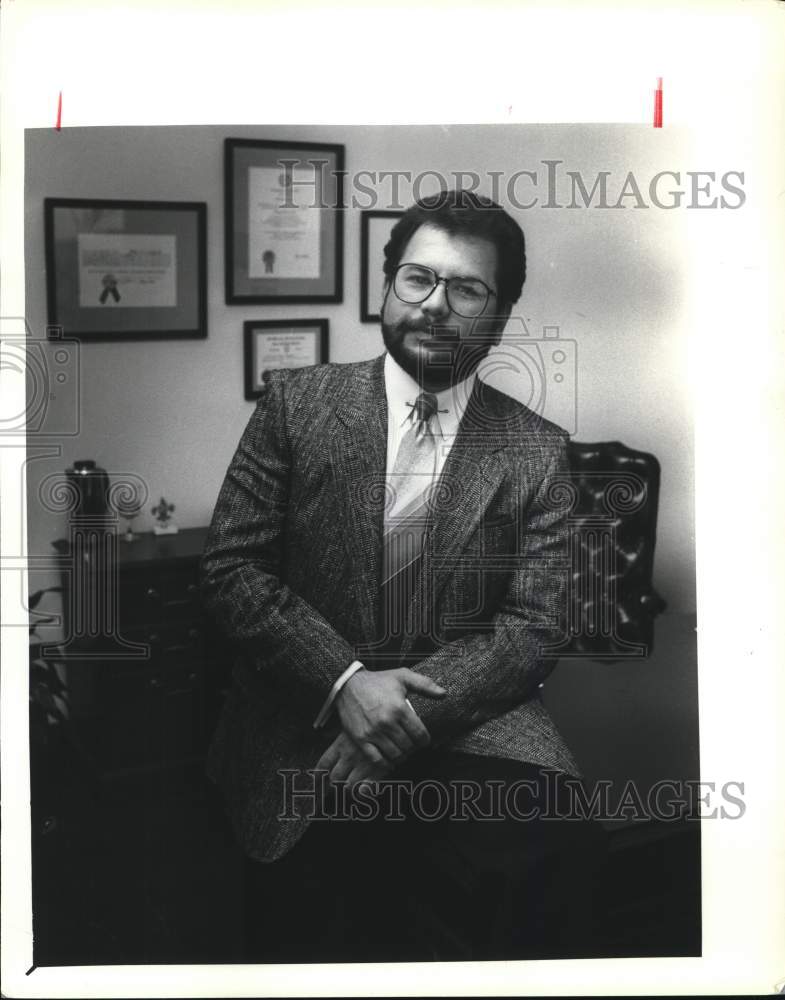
291,575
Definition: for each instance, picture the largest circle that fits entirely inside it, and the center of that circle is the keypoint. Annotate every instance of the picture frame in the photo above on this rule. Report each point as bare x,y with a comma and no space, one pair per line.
283,218
375,227
121,270
281,343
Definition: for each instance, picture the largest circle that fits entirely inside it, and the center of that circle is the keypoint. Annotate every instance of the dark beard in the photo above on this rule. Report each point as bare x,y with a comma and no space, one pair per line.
442,360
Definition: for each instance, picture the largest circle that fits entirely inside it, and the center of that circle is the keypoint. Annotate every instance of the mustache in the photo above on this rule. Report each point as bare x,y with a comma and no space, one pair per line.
443,333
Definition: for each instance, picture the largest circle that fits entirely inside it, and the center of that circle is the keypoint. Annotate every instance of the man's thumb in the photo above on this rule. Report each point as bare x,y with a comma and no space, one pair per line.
422,685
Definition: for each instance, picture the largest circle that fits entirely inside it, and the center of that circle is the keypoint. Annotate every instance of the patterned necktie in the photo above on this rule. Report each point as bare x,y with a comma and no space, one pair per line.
410,481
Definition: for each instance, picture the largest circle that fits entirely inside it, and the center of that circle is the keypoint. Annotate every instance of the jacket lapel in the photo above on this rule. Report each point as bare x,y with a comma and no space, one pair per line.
359,458
472,474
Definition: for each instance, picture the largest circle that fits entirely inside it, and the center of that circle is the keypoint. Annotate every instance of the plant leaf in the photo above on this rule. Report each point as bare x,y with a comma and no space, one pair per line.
35,599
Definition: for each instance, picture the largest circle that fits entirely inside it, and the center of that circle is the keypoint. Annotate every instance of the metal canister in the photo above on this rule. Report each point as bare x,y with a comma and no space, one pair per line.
91,484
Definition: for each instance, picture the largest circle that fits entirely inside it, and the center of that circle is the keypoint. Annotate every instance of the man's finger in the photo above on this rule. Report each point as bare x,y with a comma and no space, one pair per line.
387,749
422,684
415,727
360,775
371,752
369,775
329,757
342,768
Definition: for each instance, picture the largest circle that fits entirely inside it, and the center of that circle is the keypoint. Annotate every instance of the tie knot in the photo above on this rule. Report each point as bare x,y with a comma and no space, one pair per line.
424,407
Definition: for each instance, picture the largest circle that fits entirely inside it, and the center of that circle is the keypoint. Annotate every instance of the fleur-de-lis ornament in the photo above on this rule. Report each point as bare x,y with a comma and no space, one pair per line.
163,512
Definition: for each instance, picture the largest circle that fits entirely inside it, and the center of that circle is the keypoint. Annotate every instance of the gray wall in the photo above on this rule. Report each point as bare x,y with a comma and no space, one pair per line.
612,280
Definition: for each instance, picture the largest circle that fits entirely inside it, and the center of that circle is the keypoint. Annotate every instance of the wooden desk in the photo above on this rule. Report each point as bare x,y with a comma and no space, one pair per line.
150,705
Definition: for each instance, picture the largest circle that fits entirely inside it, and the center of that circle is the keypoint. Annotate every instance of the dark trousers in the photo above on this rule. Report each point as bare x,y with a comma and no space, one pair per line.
475,858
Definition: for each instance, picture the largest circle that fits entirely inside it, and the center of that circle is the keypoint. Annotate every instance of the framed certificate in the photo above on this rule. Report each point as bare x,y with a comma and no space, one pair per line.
284,221
273,343
375,228
126,270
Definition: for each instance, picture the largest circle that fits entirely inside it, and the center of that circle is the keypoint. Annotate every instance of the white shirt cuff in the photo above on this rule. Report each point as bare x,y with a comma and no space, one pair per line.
324,712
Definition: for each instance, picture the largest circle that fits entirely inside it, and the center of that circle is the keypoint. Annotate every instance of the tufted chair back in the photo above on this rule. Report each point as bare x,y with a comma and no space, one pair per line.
612,603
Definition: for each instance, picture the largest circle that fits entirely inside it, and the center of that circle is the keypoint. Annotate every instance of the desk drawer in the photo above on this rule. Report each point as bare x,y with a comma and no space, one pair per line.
148,720
162,596
168,644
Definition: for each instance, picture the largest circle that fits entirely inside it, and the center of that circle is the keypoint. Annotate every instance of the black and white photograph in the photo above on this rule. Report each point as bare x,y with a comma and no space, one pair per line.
364,549
456,560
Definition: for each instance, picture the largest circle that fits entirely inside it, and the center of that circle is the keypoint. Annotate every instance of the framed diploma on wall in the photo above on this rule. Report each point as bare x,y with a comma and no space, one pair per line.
284,221
126,270
375,228
281,343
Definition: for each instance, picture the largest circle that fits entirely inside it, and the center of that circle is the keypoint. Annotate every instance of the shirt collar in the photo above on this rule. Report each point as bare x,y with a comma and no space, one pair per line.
402,390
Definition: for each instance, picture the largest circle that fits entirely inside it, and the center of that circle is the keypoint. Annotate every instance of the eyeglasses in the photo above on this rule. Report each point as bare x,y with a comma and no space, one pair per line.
466,297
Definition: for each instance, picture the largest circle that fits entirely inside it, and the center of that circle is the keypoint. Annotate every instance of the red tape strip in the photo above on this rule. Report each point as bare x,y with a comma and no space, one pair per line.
658,104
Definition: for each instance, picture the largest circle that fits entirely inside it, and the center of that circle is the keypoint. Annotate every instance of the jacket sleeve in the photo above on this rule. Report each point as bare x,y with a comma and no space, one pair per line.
240,572
488,673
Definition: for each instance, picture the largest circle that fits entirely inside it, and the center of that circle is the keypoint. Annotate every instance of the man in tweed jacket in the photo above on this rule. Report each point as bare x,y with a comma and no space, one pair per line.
291,574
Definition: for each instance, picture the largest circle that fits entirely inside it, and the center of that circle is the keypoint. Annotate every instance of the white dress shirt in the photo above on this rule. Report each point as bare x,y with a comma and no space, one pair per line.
401,391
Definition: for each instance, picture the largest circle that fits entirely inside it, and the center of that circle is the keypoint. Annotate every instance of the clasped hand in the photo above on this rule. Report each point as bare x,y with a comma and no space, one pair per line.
379,728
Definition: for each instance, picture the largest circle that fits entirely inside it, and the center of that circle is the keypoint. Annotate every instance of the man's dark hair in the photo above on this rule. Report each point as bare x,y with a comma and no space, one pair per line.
464,213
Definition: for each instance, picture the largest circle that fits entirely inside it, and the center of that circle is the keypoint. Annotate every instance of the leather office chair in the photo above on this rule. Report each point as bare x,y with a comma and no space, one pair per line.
613,518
